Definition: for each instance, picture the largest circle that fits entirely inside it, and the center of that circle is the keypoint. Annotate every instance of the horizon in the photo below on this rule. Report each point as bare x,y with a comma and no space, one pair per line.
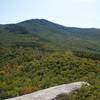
52,22
71,13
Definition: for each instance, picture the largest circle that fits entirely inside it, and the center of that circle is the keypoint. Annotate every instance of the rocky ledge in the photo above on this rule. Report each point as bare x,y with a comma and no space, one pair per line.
52,92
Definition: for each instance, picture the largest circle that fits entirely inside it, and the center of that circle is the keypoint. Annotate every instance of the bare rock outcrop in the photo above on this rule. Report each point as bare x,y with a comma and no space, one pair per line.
52,92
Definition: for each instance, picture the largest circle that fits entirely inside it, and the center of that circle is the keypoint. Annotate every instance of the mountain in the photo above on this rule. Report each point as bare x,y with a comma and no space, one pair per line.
52,35
37,54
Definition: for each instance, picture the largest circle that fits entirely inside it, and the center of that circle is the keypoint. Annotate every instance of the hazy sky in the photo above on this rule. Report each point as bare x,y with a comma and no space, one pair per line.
75,13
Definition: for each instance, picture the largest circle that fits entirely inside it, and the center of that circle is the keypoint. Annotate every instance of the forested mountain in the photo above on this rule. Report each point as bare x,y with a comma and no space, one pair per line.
58,36
37,54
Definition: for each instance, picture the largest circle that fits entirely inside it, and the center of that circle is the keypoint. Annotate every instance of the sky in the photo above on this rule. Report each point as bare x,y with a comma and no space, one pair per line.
74,13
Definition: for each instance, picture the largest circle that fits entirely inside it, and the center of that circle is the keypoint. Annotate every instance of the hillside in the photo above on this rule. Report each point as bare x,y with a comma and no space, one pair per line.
52,35
38,54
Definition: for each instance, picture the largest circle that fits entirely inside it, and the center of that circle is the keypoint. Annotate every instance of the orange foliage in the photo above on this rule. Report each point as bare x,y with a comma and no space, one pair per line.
27,90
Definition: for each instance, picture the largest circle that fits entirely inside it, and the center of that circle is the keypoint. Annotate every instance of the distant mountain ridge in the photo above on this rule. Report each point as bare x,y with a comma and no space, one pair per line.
58,35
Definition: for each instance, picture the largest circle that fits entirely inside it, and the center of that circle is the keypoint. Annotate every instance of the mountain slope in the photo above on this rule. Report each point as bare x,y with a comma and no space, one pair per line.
56,35
38,54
